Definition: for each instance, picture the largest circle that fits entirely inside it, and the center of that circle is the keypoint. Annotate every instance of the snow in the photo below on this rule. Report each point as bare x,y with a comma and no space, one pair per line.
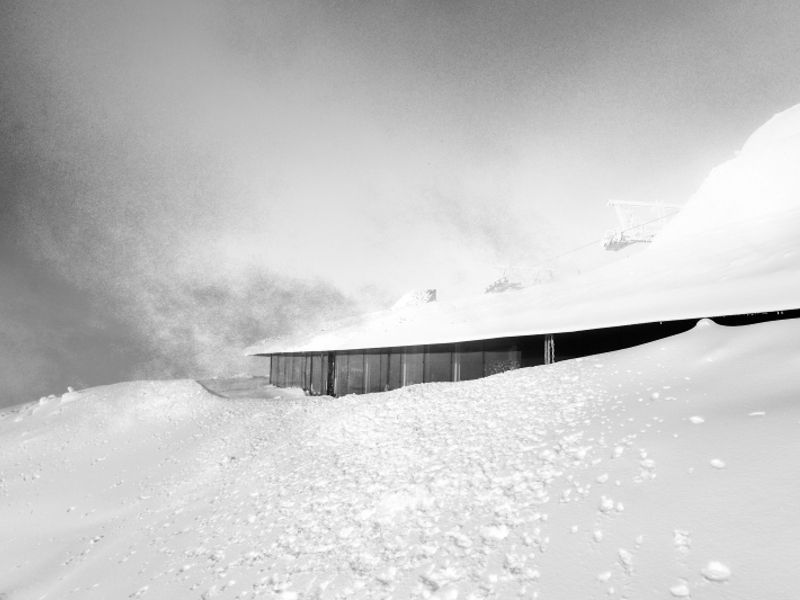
503,487
414,298
733,249
680,590
716,571
665,470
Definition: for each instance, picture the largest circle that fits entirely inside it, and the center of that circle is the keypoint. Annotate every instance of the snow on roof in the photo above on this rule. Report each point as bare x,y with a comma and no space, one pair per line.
733,249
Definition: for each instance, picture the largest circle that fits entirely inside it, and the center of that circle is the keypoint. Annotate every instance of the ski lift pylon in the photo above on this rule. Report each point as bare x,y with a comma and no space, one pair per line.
639,222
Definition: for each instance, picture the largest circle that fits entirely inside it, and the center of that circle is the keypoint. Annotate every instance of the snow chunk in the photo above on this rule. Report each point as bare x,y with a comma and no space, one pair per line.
411,498
716,571
606,504
682,540
625,559
70,396
388,576
447,593
680,590
492,532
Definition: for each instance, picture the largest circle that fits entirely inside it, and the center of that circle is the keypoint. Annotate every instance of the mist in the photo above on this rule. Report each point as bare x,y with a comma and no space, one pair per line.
181,179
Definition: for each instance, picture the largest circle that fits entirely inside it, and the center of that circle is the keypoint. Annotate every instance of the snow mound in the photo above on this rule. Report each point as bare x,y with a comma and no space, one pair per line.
582,479
705,324
762,181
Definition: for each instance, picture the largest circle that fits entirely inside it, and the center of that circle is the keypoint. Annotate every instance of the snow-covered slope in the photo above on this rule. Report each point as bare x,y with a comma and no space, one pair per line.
666,470
763,180
733,249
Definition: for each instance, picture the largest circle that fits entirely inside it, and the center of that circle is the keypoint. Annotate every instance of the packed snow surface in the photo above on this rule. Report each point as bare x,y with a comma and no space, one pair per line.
591,478
733,249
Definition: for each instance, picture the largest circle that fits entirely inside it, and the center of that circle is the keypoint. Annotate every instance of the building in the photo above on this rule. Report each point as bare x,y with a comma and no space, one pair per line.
360,371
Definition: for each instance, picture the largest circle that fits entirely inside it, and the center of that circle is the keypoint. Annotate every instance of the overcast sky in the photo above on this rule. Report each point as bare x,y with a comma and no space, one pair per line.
181,179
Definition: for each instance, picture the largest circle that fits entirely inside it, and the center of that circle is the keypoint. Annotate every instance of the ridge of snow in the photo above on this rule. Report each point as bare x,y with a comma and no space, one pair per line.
763,179
780,128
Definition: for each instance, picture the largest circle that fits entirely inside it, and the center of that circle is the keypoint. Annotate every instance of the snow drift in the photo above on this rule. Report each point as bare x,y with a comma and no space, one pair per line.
763,180
667,470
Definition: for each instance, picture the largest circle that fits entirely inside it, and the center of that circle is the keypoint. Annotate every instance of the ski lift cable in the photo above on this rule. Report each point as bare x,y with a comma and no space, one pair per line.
594,242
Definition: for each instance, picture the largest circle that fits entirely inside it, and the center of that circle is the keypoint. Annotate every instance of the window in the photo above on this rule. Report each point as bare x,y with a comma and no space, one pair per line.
340,380
316,386
355,374
438,364
499,356
374,377
413,361
395,369
468,361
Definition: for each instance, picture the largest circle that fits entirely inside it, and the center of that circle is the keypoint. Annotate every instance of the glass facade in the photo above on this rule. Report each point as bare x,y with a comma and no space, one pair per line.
468,361
326,375
315,386
374,377
355,374
413,366
499,356
298,362
282,371
306,371
395,375
273,377
341,373
287,370
384,377
438,364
